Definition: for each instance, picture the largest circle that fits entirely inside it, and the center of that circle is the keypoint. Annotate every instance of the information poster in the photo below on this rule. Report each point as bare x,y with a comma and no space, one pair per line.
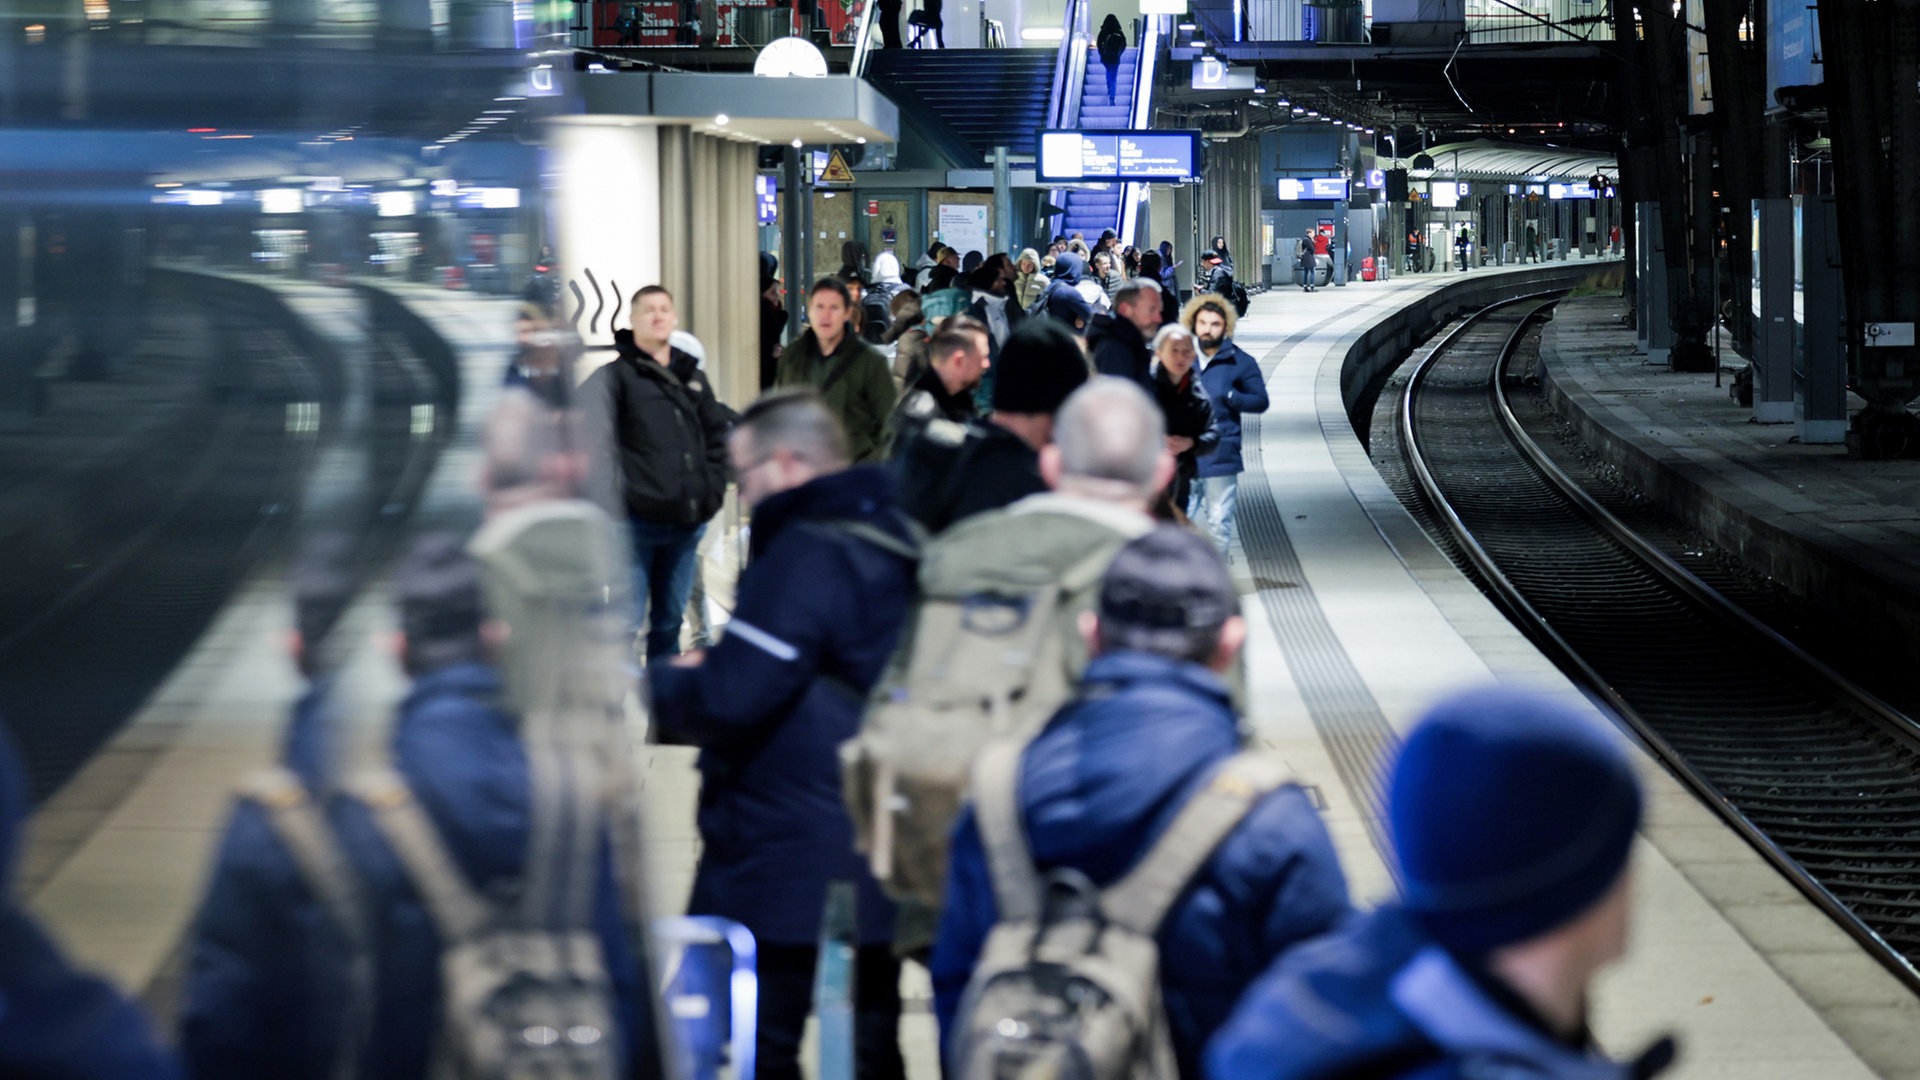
964,227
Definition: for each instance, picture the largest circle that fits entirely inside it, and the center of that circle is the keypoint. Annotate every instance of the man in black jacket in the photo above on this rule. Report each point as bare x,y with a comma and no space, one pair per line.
950,471
1119,342
669,436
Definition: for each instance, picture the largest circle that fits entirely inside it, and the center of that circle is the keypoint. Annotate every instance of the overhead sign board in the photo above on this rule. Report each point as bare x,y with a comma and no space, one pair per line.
1376,179
1210,73
1165,157
1570,191
1305,188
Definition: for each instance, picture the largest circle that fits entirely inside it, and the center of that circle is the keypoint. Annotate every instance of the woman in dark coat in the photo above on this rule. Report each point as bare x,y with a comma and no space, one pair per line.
1193,431
1111,43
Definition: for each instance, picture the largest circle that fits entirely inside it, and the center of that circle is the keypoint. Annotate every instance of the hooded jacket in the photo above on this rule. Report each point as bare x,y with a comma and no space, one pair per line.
1379,1000
819,612
1064,301
55,1022
1028,288
1099,785
666,430
1235,385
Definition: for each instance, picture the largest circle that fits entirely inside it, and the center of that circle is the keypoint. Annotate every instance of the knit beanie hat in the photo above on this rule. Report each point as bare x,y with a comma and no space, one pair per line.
1037,368
1511,815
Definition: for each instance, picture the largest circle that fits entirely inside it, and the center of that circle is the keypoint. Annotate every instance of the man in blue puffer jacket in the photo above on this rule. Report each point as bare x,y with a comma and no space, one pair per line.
820,607
1236,387
1512,819
57,1023
1111,770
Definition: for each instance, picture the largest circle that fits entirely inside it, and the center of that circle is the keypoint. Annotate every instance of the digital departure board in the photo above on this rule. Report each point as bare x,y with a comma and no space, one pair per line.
1165,157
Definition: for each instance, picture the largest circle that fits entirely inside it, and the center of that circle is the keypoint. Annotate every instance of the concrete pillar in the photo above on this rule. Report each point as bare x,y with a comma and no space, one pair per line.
1820,400
1773,333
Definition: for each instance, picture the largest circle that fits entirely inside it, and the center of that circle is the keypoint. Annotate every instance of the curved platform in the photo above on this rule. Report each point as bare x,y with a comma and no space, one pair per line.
1357,623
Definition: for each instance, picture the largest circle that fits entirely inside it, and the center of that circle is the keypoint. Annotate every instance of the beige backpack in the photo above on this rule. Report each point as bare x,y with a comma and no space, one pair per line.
1068,984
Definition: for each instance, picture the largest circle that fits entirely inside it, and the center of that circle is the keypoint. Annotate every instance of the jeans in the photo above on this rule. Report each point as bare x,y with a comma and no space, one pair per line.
1212,503
663,557
786,997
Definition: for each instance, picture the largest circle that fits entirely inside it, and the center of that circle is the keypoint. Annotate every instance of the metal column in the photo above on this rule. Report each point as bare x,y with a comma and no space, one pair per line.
795,209
1654,284
1820,399
1005,238
1773,334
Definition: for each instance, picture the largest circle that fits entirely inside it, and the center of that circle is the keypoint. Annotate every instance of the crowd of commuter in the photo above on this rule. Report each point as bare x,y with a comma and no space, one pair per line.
980,667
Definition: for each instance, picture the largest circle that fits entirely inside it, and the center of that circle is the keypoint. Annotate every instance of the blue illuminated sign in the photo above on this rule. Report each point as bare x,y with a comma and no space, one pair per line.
1101,156
766,203
1377,179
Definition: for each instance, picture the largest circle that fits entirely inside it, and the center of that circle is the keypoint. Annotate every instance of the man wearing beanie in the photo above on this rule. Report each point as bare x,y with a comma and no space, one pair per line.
1101,783
1512,818
953,471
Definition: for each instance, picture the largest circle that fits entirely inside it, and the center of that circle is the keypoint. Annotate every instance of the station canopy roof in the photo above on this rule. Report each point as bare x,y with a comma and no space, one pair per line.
1485,159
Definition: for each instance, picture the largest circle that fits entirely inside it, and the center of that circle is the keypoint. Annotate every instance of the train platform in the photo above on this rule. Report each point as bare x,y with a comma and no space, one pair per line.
1842,533
1369,622
1357,623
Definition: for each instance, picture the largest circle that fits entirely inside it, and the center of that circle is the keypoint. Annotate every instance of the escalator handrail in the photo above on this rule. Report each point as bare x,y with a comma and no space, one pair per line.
1140,117
862,48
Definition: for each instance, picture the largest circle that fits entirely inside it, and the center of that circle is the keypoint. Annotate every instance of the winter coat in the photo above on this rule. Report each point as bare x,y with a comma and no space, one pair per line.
1188,413
1119,348
925,402
944,479
1235,386
57,1023
980,309
1064,301
665,429
1378,1000
819,610
1027,288
862,397
266,983
1099,785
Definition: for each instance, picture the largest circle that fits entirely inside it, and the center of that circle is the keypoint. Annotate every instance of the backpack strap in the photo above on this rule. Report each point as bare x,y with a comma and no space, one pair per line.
301,827
867,531
996,810
1140,900
458,911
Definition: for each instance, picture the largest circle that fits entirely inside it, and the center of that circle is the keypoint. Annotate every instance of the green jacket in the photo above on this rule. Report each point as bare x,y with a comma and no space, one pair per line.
862,398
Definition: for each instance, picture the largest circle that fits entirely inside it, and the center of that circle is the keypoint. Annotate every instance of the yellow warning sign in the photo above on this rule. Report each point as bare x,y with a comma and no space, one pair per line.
836,171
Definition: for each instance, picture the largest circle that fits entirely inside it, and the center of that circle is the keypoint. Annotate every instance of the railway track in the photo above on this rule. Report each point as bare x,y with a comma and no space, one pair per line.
1818,774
